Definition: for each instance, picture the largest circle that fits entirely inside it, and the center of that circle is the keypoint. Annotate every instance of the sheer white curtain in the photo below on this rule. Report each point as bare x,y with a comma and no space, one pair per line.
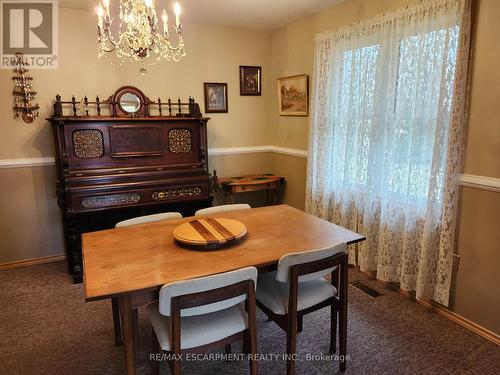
386,139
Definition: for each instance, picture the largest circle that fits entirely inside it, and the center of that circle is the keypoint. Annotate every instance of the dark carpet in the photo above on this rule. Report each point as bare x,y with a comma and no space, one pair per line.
46,328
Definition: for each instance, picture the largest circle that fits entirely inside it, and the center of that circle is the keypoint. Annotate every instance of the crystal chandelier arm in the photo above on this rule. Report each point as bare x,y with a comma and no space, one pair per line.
180,41
105,39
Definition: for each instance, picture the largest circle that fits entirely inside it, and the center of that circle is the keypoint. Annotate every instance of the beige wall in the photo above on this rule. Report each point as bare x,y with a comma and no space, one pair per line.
478,245
294,170
475,294
30,222
483,136
213,55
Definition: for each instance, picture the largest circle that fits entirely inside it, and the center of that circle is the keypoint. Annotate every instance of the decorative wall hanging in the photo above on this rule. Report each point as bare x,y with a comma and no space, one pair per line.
215,97
250,80
139,35
23,94
293,95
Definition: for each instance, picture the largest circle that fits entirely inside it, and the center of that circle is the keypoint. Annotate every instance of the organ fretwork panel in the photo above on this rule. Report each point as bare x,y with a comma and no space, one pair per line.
127,156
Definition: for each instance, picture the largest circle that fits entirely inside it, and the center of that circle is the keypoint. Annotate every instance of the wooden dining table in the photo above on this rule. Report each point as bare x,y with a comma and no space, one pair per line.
132,263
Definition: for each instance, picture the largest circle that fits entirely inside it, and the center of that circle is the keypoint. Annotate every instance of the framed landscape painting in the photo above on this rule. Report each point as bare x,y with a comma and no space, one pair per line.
215,97
293,95
250,80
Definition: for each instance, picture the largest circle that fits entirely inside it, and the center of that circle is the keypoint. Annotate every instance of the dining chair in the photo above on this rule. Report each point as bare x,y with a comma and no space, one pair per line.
194,315
114,301
222,208
298,287
149,219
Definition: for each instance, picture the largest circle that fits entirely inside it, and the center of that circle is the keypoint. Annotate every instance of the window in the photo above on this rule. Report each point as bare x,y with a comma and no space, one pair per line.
398,145
387,125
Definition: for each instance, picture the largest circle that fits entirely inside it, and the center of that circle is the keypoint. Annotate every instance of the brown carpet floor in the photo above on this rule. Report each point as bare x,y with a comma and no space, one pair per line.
46,328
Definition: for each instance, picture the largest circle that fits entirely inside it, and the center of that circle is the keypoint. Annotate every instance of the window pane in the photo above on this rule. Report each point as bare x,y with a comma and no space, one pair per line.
394,157
425,79
354,113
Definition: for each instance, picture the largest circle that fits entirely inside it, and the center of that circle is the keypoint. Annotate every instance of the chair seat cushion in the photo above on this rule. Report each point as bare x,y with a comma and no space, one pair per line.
199,330
274,294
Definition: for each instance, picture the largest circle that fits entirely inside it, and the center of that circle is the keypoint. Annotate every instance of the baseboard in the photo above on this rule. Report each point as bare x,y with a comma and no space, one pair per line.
31,262
441,310
460,320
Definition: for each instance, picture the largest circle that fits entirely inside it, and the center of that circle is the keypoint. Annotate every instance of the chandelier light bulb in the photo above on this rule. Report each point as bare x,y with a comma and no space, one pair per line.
177,11
105,3
100,14
148,3
164,18
100,11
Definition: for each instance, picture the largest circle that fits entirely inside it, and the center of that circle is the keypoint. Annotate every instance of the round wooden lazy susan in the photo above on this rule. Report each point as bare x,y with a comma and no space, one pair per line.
210,232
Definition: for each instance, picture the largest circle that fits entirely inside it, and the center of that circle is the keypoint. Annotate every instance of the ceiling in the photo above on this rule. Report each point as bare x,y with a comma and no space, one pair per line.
250,14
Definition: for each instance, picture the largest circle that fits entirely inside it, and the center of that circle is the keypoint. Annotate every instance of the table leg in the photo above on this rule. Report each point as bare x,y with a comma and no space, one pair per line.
116,321
128,332
135,325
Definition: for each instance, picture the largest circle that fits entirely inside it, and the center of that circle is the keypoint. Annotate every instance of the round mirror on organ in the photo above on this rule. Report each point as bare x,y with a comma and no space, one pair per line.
130,102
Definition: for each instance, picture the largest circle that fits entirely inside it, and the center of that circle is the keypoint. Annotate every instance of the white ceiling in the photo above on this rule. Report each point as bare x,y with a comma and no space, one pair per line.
249,14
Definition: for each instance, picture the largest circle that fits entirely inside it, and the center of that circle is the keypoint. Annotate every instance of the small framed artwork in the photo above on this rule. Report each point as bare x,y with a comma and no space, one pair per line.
250,80
215,97
293,95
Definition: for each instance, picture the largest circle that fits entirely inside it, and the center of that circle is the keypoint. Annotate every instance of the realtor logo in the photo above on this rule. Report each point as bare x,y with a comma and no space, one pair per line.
29,27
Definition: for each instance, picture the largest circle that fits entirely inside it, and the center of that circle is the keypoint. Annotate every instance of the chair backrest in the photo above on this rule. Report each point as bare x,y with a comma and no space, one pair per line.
203,284
149,219
292,259
223,208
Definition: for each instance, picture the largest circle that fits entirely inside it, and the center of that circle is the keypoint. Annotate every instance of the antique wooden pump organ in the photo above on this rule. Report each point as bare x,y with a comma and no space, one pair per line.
126,156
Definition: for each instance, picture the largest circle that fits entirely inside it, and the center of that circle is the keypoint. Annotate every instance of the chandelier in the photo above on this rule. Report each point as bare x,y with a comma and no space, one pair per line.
139,36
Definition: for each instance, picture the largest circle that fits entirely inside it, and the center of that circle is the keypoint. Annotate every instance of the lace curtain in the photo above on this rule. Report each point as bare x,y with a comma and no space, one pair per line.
389,105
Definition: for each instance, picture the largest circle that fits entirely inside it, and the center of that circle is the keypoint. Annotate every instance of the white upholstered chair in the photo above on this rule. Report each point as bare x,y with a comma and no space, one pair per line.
149,219
222,208
126,223
193,315
298,287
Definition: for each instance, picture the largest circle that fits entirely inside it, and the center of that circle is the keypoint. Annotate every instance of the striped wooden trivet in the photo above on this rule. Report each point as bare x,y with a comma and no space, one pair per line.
210,232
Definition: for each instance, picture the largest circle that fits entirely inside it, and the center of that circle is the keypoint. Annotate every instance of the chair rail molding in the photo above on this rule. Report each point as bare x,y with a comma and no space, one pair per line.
216,151
27,162
480,182
467,180
256,149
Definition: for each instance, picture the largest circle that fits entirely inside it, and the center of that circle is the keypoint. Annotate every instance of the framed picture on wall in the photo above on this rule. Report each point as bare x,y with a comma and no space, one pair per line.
250,80
215,97
293,95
